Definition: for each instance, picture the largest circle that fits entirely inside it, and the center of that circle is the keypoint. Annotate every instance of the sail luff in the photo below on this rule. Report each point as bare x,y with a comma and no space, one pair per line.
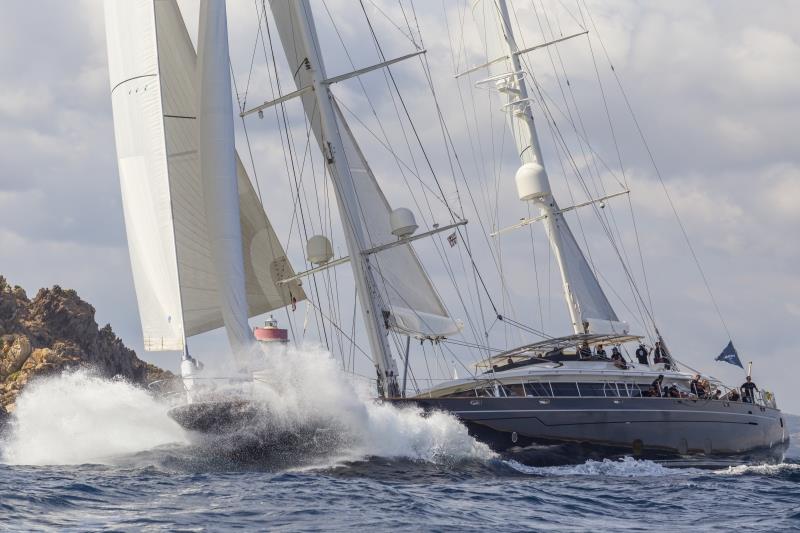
218,171
139,132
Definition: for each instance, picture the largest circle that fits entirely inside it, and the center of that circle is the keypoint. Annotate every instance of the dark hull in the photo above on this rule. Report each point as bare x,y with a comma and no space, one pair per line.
642,426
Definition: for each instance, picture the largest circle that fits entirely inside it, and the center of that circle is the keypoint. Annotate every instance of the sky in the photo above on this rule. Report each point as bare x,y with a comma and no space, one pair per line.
713,84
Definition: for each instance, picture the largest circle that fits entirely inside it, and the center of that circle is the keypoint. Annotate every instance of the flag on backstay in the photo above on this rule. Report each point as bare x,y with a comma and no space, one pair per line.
730,355
452,239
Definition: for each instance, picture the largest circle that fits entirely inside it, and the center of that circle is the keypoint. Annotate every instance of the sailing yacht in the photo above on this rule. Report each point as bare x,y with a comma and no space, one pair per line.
204,254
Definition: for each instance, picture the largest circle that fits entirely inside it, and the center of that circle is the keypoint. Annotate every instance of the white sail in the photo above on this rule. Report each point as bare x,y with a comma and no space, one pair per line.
152,69
406,293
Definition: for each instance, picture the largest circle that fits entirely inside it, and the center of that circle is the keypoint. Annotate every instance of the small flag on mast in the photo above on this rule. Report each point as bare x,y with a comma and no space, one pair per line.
452,239
730,355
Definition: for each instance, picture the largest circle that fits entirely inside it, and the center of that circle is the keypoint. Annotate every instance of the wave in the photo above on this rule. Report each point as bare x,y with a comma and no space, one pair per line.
623,467
772,470
310,412
78,417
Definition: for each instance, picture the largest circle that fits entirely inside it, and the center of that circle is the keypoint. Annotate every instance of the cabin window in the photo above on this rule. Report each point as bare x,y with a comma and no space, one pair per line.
564,389
516,390
592,389
610,390
537,389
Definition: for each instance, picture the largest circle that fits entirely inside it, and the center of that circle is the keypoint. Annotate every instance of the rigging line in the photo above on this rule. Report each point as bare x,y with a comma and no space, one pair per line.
603,224
388,149
625,179
336,326
407,36
536,272
424,152
289,142
466,240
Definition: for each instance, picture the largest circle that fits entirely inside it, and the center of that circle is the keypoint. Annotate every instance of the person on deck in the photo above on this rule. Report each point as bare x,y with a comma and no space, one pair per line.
748,388
600,351
619,361
641,354
657,384
658,354
584,351
696,387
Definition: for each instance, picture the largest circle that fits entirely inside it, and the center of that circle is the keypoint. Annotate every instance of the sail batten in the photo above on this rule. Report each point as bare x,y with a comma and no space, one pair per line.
152,67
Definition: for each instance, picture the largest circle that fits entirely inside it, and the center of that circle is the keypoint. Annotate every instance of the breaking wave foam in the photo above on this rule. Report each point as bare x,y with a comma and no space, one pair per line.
625,467
762,470
304,387
310,409
78,417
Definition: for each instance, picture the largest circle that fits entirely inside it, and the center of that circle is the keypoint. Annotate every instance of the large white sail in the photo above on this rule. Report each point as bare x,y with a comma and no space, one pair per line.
152,68
406,293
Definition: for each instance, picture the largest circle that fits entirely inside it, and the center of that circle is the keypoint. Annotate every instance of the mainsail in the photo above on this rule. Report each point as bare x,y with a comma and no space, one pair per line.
152,68
410,302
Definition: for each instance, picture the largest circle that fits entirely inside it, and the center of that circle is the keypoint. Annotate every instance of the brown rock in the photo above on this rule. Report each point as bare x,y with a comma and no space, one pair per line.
56,331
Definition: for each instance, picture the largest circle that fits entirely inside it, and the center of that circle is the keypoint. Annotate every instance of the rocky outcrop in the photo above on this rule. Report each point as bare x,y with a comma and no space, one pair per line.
54,331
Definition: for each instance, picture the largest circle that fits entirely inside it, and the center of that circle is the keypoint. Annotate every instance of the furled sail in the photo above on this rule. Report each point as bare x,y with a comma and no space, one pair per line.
152,68
410,302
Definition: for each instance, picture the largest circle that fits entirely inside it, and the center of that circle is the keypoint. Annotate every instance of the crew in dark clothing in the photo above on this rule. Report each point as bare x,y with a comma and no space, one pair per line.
658,354
619,361
657,384
748,388
584,352
600,352
641,354
733,395
718,394
696,387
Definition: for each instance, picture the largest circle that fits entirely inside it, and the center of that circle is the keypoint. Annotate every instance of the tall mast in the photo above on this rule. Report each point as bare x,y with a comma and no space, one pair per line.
347,201
532,181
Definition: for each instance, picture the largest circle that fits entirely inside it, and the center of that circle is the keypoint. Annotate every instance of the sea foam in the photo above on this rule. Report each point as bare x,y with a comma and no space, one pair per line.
78,417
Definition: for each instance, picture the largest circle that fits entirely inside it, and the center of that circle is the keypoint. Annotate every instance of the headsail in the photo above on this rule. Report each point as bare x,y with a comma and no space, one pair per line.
152,67
410,302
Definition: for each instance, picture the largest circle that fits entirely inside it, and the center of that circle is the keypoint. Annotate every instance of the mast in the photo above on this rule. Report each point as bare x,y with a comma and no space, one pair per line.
347,200
532,180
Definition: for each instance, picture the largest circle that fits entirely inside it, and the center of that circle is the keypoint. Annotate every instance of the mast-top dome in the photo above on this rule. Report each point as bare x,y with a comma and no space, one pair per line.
532,182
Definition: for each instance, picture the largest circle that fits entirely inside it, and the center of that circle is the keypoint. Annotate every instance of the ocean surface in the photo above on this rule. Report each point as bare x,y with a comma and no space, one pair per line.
87,454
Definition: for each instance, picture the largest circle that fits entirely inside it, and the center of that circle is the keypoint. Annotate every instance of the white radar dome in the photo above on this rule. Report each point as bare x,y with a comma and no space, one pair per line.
319,250
532,182
403,222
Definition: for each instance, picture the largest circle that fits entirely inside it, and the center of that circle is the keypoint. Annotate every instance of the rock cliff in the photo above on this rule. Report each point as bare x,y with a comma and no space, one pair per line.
54,331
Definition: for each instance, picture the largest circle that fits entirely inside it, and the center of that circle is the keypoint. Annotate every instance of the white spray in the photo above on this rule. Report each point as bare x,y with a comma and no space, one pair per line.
81,418
78,417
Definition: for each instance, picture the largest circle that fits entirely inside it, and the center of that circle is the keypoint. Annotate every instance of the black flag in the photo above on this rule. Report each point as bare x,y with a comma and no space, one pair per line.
729,355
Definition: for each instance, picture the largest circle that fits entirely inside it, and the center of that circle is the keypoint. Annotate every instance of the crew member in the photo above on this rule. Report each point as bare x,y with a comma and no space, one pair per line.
616,356
748,388
657,384
584,352
641,354
600,352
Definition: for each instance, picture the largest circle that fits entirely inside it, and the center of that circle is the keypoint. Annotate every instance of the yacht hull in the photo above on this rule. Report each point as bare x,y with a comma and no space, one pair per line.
639,425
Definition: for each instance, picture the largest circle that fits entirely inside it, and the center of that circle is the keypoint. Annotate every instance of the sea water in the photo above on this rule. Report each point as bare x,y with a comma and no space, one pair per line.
86,453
